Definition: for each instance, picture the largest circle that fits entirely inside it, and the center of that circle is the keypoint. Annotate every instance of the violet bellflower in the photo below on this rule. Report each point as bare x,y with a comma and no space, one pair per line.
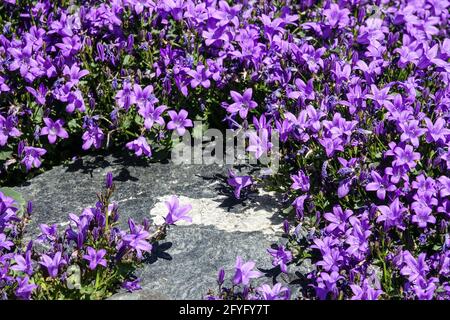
238,183
140,147
281,257
95,257
54,129
179,121
52,264
242,103
32,157
177,211
244,272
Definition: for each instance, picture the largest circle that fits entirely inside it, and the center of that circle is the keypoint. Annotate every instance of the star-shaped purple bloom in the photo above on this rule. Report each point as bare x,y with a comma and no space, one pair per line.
53,130
244,272
177,212
95,257
179,121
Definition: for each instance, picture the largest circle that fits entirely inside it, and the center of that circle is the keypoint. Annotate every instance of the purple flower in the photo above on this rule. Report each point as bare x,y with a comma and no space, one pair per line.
132,285
52,264
242,103
365,291
392,216
5,243
144,97
7,129
95,257
32,157
337,219
259,145
244,272
74,74
414,268
411,132
179,121
336,17
39,94
423,214
140,147
300,181
380,185
405,156
24,288
326,284
281,257
331,145
23,264
137,239
70,46
92,137
200,76
125,97
277,292
152,115
177,212
238,182
54,129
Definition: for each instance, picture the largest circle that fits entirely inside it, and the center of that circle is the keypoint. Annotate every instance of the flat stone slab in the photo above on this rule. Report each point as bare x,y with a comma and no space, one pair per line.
185,264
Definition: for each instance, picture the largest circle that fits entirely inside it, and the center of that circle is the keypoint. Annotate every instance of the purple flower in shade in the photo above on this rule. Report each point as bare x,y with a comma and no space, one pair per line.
132,285
238,182
95,257
52,264
337,219
336,17
380,185
140,147
331,145
177,212
281,257
137,239
70,46
414,268
23,264
32,157
5,243
92,137
326,284
179,121
244,272
242,103
299,205
152,115
405,157
436,132
38,94
411,132
300,181
126,97
24,288
3,86
423,214
277,292
75,102
259,145
53,130
200,76
365,291
109,180
7,129
392,216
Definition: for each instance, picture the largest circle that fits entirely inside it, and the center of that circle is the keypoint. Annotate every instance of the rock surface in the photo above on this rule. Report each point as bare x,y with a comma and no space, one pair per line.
185,264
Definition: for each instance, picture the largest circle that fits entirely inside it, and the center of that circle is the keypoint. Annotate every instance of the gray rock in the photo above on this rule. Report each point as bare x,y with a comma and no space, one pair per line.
186,262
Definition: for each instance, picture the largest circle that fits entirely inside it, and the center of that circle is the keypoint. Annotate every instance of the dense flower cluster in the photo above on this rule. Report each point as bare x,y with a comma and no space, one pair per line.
358,91
90,259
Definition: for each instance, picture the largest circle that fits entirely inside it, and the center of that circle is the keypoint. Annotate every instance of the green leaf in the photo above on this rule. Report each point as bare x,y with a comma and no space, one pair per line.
5,155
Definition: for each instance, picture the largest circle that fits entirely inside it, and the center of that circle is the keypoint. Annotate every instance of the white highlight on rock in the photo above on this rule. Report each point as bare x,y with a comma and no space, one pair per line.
259,215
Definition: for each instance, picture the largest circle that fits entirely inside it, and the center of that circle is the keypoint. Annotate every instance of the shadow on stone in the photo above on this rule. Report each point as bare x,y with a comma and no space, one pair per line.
159,252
